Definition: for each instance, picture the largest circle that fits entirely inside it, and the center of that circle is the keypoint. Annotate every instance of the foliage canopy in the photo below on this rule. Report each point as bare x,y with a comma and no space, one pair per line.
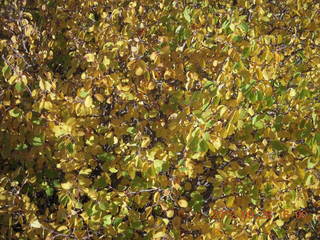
138,119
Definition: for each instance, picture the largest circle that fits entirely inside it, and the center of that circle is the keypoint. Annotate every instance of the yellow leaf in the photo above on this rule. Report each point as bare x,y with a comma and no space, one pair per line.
228,131
164,206
24,79
154,56
61,130
45,85
71,122
211,147
28,30
83,181
12,79
166,221
106,61
167,74
41,85
170,213
277,57
279,222
233,147
308,235
151,86
62,228
222,173
146,141
139,71
88,101
89,57
265,74
232,27
67,185
301,172
159,235
148,211
47,105
183,203
217,143
300,203
132,172
124,88
223,111
235,116
156,197
251,112
230,201
99,97
85,171
92,194
292,92
36,224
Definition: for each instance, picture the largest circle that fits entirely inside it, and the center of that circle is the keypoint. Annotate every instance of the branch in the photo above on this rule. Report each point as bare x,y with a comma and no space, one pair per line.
145,190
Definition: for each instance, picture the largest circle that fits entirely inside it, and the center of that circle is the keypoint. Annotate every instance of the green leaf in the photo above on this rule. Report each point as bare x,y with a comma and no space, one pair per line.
100,183
16,112
280,232
246,52
196,196
56,183
103,206
117,221
70,147
107,220
84,94
309,180
194,144
137,225
19,86
37,141
197,205
244,27
21,147
237,38
64,199
303,149
279,146
296,74
131,130
225,24
186,14
158,164
106,157
237,66
259,124
5,70
49,191
202,146
36,121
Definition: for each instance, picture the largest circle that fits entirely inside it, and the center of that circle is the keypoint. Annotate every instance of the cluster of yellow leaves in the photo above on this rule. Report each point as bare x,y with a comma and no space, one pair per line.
137,119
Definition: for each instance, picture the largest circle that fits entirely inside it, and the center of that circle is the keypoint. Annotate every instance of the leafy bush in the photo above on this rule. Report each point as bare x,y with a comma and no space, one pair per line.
140,119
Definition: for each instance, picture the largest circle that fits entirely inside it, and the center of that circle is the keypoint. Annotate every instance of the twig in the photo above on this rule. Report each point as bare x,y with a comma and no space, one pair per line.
145,190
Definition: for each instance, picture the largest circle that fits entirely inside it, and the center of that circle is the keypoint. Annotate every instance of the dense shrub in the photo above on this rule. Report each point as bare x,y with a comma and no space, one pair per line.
144,119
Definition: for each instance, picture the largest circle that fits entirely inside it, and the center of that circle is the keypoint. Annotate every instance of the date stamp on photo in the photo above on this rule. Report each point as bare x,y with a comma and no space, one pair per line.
245,214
